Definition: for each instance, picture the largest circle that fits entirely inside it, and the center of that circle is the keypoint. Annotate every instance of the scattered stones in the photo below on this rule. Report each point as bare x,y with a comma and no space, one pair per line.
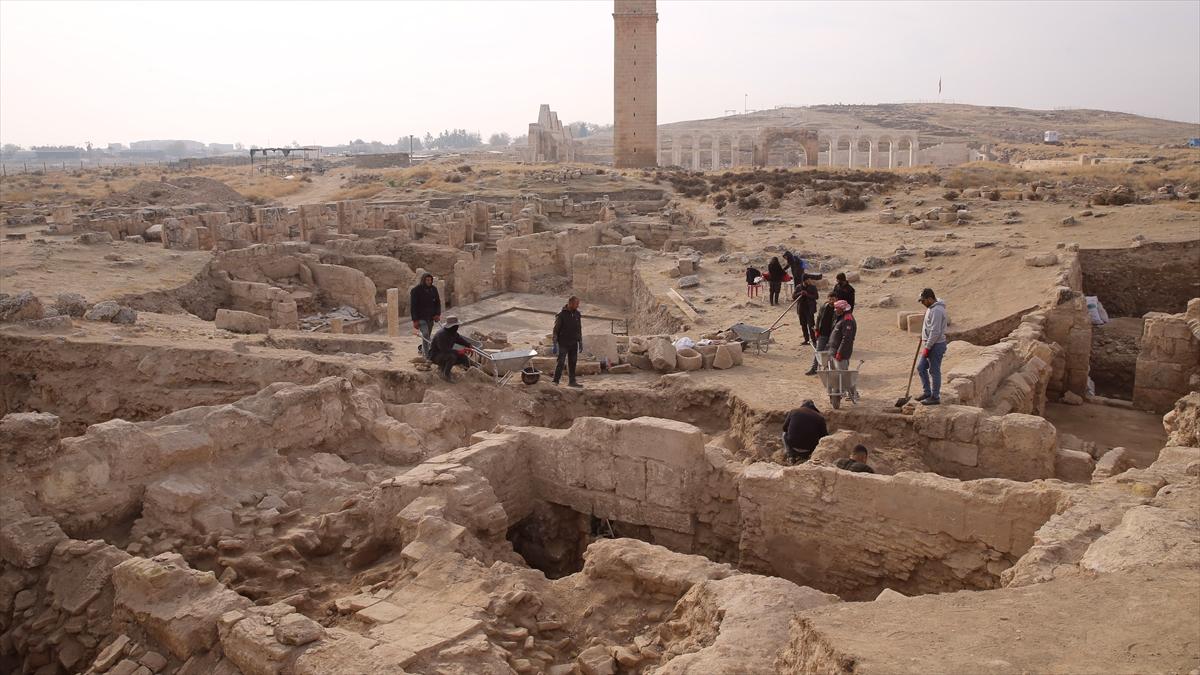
872,263
23,306
71,304
94,238
242,322
1041,260
1069,220
690,281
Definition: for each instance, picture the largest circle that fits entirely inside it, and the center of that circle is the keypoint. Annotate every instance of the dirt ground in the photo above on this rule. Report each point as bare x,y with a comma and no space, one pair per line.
1139,432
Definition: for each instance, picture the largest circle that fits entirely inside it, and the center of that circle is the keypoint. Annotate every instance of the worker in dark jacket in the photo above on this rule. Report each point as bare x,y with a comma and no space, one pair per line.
795,265
442,348
568,340
841,341
824,328
774,280
806,296
843,290
803,428
425,306
856,462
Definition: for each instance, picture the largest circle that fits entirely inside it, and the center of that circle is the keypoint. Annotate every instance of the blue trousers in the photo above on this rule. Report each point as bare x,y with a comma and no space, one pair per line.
930,370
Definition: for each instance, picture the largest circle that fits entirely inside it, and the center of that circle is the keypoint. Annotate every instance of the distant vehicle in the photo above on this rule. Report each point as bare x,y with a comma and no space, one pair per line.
1050,137
1194,142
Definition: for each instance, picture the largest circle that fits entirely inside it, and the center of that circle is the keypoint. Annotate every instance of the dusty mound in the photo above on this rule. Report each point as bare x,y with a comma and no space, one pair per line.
179,191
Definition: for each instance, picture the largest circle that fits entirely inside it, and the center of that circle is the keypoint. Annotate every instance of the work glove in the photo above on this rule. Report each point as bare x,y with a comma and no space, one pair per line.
554,349
925,352
837,356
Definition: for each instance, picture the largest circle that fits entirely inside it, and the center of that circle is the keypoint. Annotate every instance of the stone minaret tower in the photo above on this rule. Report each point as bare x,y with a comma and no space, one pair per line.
635,84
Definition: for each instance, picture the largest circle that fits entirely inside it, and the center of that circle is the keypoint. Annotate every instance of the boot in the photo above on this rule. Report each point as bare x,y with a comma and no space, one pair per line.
574,383
811,371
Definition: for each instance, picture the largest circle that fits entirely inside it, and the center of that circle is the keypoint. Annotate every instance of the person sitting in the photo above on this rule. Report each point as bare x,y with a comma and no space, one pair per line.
856,462
803,428
442,348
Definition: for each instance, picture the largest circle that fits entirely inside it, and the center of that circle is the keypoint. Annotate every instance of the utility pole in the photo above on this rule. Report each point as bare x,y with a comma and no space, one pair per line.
410,146
745,103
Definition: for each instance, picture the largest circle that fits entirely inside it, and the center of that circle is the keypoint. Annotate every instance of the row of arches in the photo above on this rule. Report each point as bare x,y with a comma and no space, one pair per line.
704,151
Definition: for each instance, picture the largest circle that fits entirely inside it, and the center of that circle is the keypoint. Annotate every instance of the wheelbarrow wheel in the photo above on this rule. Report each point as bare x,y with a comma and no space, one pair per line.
762,347
835,400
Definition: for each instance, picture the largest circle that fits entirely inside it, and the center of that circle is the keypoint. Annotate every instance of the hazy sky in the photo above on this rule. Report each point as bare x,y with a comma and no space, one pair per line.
325,72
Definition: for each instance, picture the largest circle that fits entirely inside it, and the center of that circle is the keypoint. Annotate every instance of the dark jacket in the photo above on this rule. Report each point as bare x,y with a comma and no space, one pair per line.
568,327
825,317
851,465
841,341
807,295
844,293
443,342
804,428
775,272
424,303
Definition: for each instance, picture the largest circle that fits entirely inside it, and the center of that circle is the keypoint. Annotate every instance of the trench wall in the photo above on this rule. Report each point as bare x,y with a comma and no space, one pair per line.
808,524
1151,277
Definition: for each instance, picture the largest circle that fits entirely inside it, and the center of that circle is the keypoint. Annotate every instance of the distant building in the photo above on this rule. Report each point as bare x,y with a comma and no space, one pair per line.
1050,137
58,154
549,140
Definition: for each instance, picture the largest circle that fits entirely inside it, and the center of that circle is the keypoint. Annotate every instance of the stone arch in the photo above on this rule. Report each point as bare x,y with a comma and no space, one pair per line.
704,153
666,147
685,148
745,150
845,144
864,152
806,138
825,145
884,151
904,151
724,152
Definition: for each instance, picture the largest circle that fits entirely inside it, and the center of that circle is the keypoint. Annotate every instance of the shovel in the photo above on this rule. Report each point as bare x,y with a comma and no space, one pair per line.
908,390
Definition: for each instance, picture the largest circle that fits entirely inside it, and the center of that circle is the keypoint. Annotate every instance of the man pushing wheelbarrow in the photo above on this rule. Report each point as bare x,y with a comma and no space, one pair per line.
835,373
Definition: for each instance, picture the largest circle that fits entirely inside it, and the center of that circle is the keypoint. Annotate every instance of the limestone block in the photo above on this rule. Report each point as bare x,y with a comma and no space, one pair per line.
28,542
688,359
29,437
1027,433
640,361
966,454
601,346
662,354
297,629
1111,463
724,358
902,319
1041,260
686,266
630,241
1073,466
690,281
915,323
176,605
735,351
242,322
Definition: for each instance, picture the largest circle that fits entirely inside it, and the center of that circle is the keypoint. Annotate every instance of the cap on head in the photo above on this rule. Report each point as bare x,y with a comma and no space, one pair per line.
450,321
809,404
928,294
841,306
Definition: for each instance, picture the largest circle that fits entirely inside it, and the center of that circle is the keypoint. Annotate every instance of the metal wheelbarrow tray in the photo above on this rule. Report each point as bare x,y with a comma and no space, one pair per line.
759,338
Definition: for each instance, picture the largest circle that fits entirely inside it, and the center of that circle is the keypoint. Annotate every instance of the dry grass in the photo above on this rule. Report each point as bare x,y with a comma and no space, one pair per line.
1140,177
97,183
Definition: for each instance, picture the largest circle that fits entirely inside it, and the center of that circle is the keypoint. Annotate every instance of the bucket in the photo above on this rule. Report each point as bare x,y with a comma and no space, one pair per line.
531,375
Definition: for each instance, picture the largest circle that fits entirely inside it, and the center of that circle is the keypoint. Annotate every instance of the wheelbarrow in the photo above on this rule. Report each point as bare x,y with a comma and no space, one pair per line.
838,383
753,336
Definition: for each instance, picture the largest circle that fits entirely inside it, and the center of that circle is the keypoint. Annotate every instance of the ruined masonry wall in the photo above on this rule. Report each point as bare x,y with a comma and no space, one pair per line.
1168,365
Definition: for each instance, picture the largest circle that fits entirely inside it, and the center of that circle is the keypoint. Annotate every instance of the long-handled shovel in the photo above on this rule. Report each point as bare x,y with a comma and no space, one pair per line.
912,371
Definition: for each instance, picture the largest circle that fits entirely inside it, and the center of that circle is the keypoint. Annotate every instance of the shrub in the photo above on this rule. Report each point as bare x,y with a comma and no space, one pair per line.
777,193
994,196
849,203
950,195
465,168
749,203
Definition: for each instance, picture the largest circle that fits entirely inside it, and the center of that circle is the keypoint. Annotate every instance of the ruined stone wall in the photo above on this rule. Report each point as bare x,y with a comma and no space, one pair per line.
1149,277
1010,376
346,285
648,314
144,382
855,534
383,271
807,524
1168,365
604,274
1068,325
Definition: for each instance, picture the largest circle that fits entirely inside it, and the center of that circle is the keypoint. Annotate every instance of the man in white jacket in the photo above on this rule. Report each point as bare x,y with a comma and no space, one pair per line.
933,348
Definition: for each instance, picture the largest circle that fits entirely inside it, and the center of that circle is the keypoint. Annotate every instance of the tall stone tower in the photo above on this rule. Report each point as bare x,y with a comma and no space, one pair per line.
635,84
